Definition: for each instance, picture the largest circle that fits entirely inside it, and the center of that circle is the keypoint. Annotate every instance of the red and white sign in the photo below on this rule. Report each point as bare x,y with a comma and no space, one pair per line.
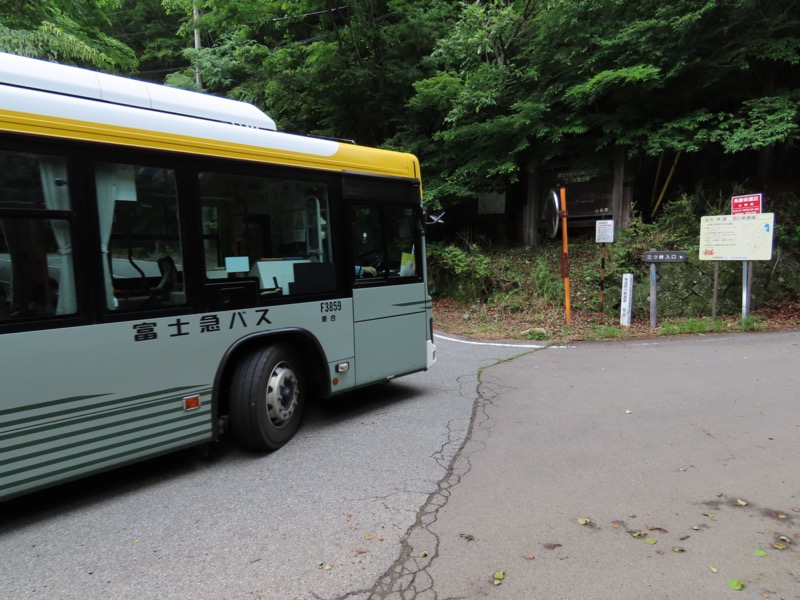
746,205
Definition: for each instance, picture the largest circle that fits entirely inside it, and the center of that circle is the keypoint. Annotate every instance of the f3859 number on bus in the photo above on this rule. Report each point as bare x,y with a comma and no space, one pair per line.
329,307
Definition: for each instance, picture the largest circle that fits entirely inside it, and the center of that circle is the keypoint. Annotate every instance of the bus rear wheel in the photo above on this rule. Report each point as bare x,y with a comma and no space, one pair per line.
267,398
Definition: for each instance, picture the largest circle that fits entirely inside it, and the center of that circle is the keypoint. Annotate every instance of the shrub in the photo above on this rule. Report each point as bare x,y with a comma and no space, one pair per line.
458,273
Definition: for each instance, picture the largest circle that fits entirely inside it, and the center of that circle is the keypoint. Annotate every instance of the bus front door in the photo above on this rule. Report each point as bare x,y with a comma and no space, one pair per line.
390,331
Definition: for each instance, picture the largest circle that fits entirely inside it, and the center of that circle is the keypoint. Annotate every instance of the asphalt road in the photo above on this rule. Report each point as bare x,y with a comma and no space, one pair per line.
539,463
325,517
586,469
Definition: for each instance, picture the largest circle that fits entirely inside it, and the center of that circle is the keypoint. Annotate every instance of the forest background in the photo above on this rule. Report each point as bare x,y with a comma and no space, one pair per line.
481,91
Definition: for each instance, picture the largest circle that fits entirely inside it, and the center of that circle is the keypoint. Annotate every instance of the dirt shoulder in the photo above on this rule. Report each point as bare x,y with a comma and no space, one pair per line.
486,321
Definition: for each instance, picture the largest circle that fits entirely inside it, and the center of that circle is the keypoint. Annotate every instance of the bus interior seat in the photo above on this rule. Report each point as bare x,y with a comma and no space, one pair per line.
169,288
169,274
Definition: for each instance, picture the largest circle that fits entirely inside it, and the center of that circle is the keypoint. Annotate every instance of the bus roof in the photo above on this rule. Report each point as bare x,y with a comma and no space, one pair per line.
42,98
73,81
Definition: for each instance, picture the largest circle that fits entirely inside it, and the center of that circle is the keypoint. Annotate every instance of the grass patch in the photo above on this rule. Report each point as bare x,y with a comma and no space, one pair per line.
692,326
751,323
605,332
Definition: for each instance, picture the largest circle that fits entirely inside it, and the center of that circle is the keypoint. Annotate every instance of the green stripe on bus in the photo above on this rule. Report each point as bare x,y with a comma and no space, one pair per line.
82,432
70,399
159,395
20,486
203,432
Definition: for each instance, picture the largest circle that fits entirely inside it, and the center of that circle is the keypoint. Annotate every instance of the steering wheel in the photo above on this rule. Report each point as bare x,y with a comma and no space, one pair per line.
371,258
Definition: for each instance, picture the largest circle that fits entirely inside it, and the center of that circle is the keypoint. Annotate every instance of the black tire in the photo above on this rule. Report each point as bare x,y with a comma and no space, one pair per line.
267,398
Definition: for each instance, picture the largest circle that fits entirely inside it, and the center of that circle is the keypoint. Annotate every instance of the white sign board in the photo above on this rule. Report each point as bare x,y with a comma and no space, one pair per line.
604,231
737,237
626,302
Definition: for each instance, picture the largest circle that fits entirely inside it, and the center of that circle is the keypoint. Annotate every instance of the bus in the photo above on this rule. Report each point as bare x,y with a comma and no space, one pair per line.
173,268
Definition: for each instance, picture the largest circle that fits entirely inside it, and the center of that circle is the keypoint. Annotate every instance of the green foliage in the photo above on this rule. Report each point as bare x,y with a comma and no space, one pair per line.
75,32
609,80
547,281
341,70
479,90
458,273
531,81
147,28
763,122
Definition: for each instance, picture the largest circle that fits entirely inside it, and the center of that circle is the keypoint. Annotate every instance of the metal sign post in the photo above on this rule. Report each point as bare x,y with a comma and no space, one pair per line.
653,295
565,253
745,289
654,257
603,233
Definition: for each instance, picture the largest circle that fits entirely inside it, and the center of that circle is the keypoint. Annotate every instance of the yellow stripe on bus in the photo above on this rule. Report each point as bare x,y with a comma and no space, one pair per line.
346,158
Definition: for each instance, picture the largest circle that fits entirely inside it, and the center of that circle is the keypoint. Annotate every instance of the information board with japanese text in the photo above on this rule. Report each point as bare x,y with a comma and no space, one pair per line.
737,237
604,231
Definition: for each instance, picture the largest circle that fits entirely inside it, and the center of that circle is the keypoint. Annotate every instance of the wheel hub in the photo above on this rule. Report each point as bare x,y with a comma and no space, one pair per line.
282,394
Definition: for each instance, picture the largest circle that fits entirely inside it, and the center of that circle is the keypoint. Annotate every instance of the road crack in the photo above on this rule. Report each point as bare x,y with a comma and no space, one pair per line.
408,578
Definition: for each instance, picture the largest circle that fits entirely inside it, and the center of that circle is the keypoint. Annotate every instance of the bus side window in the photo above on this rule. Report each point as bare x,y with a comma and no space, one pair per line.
36,267
140,236
273,229
386,242
369,246
404,241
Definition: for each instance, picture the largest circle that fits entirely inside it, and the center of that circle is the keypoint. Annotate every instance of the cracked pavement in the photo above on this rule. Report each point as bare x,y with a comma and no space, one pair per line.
424,488
639,469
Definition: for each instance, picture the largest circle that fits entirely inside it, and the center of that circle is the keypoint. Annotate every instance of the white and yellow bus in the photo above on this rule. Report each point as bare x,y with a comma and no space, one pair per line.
172,268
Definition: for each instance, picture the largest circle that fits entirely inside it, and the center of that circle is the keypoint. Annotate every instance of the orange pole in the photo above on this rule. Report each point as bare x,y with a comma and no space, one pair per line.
565,254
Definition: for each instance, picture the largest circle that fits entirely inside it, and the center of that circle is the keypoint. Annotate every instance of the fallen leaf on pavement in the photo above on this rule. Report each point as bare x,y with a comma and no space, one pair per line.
735,584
